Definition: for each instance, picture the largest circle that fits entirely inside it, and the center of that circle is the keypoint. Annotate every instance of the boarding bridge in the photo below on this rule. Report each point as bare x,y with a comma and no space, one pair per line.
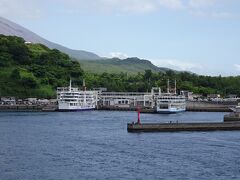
129,99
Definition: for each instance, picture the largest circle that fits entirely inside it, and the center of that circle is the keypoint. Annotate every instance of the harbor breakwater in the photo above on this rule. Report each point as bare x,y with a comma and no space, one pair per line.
175,127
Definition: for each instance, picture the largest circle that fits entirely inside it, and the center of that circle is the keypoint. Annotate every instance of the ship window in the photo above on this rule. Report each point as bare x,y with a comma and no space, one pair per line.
163,106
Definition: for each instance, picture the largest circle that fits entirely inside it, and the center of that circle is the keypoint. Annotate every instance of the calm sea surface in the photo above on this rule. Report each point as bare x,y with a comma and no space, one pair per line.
96,145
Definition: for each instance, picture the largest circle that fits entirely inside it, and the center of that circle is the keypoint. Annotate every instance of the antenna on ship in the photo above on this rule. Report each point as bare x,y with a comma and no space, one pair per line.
168,86
175,88
84,85
70,85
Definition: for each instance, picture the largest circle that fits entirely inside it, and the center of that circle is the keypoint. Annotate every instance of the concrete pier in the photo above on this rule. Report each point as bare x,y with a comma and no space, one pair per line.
190,106
175,127
27,108
232,117
208,106
112,108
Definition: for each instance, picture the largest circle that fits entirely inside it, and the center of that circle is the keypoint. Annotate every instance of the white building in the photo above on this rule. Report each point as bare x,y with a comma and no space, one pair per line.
8,100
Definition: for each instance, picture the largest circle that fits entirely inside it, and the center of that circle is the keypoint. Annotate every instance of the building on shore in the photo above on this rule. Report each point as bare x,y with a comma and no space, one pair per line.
8,101
129,99
188,95
126,99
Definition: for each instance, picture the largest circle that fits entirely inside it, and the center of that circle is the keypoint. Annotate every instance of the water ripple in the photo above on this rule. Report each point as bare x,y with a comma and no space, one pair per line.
96,145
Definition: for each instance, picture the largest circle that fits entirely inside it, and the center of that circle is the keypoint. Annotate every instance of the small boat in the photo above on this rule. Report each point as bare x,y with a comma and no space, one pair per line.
73,99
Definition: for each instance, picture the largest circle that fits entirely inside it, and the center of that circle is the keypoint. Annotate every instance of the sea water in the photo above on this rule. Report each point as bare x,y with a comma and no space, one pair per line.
96,145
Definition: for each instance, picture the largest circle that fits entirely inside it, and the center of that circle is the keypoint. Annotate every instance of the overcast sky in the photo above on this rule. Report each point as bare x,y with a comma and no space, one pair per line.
201,36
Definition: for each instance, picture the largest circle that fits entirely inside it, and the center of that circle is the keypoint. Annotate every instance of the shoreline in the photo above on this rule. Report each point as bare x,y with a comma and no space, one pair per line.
54,108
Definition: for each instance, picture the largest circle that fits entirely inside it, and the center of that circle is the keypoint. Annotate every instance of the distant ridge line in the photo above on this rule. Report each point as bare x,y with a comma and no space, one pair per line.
10,28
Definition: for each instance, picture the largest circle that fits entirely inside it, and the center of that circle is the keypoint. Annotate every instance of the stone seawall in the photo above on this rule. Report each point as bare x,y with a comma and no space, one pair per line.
175,127
28,108
208,106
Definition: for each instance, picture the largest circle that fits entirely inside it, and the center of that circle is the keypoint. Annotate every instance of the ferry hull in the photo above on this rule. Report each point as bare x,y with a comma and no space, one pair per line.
67,107
170,111
75,110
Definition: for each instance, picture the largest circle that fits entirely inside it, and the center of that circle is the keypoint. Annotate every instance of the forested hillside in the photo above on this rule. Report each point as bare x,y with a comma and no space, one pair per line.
143,82
33,70
132,66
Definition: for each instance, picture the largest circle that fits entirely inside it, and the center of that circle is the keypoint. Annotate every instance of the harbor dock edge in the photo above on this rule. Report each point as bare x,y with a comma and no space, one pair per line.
177,127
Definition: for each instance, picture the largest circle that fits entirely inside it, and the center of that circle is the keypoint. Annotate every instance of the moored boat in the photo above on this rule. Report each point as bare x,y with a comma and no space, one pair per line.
170,102
74,99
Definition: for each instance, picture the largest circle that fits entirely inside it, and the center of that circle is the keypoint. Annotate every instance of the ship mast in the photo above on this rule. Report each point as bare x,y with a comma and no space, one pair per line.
84,85
168,86
70,85
175,87
84,94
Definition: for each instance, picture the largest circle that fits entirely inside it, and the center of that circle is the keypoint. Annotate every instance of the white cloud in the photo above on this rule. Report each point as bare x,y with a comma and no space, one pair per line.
202,8
111,6
212,8
118,55
36,8
122,6
172,4
202,3
178,64
137,6
217,15
20,8
237,67
224,15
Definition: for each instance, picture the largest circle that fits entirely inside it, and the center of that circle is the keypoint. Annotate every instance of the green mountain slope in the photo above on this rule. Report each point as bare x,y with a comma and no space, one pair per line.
129,65
33,70
12,29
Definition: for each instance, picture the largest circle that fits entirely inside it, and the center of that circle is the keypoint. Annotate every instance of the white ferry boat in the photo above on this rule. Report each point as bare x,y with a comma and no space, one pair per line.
170,102
73,99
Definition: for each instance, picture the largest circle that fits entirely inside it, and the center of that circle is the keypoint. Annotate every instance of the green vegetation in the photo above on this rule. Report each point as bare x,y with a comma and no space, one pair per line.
131,66
143,82
33,70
